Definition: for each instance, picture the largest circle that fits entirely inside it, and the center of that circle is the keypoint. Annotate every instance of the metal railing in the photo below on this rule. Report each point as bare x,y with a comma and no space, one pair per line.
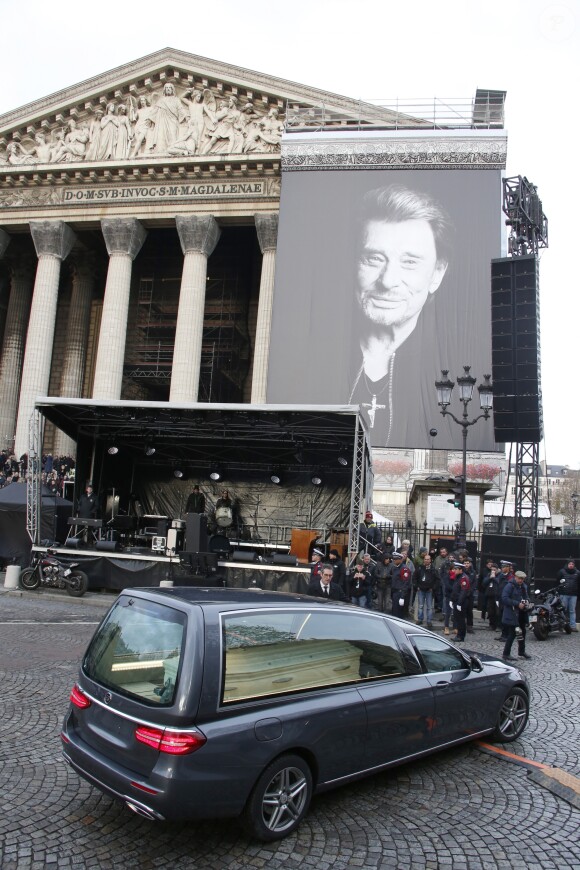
485,111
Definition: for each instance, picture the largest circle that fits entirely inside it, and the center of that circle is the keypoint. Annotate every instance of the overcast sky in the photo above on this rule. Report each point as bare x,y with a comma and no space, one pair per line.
373,50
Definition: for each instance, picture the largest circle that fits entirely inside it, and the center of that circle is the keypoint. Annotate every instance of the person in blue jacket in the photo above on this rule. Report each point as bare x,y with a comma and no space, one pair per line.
515,601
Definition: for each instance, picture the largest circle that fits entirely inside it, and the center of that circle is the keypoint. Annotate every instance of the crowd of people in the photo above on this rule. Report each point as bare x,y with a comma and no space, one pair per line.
436,584
56,470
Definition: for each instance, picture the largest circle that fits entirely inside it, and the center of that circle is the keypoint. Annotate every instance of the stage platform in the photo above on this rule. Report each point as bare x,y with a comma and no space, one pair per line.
117,570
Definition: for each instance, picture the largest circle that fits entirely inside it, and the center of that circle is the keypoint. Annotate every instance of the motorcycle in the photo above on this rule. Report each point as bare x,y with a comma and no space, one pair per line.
548,614
46,570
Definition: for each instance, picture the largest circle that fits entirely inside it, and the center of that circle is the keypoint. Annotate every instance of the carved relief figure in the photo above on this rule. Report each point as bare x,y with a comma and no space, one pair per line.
167,115
108,137
226,131
95,135
43,149
17,156
72,145
124,134
188,143
143,125
266,134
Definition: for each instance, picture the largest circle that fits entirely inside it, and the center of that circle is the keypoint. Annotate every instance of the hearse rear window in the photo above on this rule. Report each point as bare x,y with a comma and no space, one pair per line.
137,650
267,653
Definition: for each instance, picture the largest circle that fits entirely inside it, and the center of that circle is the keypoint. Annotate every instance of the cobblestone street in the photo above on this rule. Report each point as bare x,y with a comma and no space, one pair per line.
464,809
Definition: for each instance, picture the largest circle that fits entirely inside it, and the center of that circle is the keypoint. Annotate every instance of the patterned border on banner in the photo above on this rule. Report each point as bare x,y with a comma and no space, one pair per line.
404,153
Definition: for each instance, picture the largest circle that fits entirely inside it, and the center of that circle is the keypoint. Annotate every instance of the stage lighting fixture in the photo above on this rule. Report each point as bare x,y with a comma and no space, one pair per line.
342,459
215,473
178,472
112,450
276,478
149,450
316,479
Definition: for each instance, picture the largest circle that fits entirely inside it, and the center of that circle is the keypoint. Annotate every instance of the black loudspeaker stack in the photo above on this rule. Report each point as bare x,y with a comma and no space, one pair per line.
196,533
284,559
107,546
515,344
244,556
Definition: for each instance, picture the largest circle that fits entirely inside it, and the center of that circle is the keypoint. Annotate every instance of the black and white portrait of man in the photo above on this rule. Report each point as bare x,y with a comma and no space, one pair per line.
382,280
403,254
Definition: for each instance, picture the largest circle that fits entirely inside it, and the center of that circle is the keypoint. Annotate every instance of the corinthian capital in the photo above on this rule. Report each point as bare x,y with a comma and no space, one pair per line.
52,238
197,233
123,235
267,229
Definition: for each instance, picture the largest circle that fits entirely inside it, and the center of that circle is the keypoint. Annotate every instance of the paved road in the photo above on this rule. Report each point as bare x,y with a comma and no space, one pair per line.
461,810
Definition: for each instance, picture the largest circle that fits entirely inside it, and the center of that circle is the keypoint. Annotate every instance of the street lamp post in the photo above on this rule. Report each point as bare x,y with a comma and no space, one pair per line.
466,383
574,499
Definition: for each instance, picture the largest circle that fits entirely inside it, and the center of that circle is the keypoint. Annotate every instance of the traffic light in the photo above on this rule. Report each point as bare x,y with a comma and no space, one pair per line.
457,491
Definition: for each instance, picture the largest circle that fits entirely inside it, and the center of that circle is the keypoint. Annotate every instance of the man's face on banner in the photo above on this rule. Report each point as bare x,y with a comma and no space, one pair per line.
397,270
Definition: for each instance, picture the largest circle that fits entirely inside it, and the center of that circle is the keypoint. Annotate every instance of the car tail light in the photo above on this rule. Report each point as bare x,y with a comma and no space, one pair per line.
79,699
172,742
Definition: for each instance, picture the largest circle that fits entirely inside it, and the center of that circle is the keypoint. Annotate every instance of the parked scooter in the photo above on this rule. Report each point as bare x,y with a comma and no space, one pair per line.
549,613
46,570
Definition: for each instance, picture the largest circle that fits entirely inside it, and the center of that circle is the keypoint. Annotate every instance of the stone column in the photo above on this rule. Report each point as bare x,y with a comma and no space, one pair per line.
198,236
124,238
21,282
267,228
4,242
77,331
53,241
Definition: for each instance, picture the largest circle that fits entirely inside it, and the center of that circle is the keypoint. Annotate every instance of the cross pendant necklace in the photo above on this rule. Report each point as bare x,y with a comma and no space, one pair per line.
373,408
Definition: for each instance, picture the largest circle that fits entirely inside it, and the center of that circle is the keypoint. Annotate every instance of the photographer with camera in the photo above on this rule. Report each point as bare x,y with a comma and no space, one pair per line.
516,604
360,586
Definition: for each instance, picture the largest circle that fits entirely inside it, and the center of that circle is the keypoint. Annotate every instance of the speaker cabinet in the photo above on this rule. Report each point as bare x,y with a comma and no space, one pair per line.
498,547
74,543
107,546
244,556
284,559
515,350
196,533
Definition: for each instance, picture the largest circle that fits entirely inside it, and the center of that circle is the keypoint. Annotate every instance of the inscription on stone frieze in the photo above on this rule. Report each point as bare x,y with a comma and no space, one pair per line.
141,192
165,191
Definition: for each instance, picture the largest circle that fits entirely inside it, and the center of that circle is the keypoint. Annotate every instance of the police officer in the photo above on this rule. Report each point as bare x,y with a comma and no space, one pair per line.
460,599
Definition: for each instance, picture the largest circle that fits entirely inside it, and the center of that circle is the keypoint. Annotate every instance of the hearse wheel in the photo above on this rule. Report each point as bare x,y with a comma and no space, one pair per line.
279,800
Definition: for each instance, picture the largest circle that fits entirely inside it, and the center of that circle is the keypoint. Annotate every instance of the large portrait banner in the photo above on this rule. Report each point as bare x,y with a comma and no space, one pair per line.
383,280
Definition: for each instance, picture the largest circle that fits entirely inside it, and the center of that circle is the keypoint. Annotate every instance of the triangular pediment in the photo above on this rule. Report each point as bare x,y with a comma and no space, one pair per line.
170,104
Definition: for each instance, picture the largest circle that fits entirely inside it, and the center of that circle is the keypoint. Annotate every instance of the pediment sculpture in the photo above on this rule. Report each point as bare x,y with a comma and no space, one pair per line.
146,126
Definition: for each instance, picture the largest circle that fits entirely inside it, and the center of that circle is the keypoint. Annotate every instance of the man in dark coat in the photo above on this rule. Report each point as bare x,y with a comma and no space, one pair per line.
325,587
369,534
88,504
425,582
195,502
569,590
515,600
381,576
506,574
338,569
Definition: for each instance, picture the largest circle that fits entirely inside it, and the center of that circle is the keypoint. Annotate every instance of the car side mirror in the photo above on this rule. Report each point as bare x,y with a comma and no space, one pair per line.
475,663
